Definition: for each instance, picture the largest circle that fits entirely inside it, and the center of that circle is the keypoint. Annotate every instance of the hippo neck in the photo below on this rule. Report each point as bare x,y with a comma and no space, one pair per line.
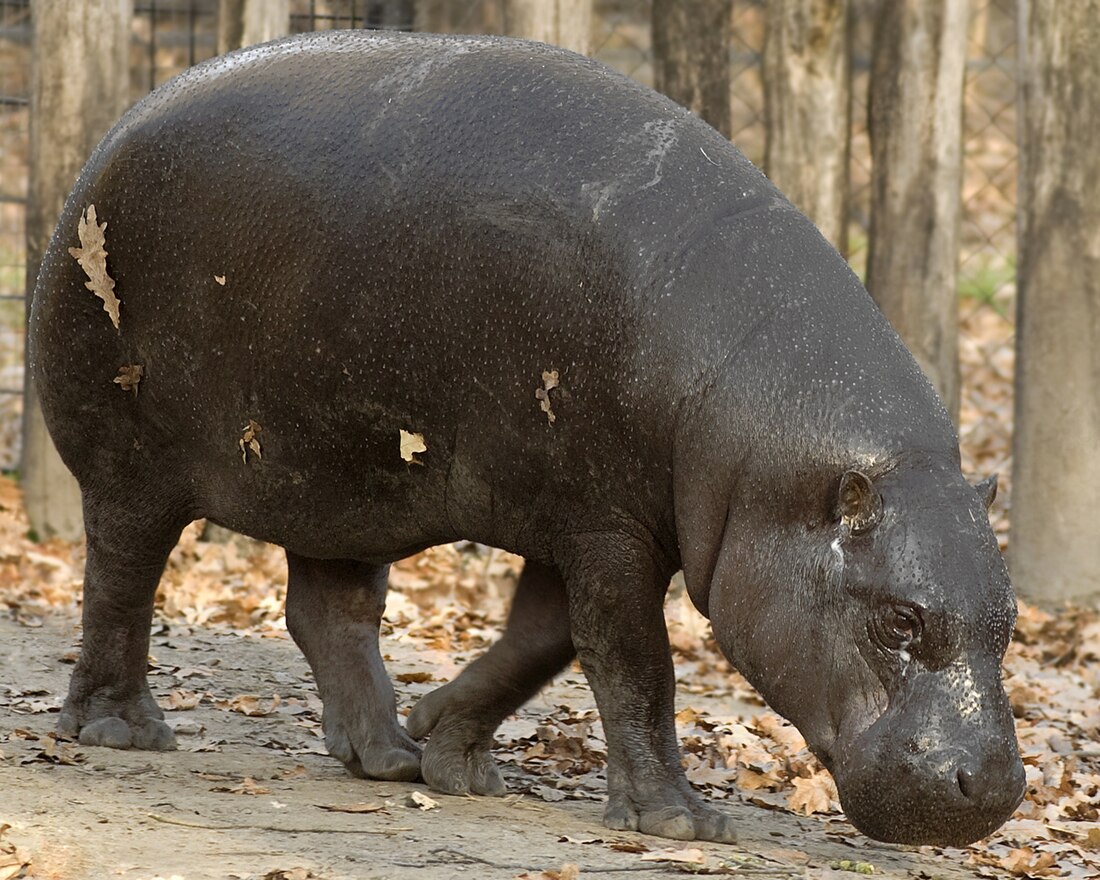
792,376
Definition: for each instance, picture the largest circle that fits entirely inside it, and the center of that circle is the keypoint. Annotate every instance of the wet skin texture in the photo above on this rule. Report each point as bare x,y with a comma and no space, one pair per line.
411,231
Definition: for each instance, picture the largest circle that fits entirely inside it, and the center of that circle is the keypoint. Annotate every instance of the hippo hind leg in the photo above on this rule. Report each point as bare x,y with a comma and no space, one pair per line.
333,611
129,537
462,716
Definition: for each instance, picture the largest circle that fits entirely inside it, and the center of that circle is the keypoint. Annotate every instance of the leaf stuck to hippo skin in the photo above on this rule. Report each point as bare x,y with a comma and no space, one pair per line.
128,377
249,441
411,444
542,395
92,256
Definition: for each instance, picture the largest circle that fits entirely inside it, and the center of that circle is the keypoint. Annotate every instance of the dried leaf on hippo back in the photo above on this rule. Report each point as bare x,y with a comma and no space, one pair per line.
411,445
129,375
249,441
92,257
542,395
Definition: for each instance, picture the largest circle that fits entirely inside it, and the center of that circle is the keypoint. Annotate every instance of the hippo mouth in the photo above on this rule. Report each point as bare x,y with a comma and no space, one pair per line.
917,776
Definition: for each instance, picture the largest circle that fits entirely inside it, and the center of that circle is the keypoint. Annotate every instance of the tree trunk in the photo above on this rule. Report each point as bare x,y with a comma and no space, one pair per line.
244,22
80,84
565,23
691,62
394,15
1055,547
807,104
916,145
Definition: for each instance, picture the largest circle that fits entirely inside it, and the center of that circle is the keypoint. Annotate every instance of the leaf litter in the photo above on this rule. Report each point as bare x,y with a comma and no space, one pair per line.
451,601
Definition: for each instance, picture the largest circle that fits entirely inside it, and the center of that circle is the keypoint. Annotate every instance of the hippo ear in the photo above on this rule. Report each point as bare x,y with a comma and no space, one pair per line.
858,504
987,490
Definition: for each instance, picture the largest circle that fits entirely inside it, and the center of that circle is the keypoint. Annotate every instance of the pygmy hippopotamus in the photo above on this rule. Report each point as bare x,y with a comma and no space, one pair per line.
360,294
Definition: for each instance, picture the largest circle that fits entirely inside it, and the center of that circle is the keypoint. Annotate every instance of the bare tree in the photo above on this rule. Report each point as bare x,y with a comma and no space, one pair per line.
916,144
80,84
807,106
244,22
691,44
397,15
1055,548
566,23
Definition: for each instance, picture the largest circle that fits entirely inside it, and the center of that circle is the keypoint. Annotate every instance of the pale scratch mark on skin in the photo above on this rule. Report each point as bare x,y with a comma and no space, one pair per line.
708,158
837,551
664,139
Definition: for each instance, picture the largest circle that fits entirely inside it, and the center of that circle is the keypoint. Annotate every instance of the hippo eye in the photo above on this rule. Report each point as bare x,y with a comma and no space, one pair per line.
900,627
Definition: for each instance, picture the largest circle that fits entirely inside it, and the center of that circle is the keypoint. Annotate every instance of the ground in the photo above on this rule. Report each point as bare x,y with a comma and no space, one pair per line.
249,796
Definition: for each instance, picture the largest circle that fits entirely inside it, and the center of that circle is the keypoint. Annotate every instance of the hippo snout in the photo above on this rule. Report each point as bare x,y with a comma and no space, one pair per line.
920,775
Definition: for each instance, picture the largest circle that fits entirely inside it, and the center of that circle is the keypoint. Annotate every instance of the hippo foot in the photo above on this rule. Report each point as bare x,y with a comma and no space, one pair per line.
393,757
98,720
689,821
456,758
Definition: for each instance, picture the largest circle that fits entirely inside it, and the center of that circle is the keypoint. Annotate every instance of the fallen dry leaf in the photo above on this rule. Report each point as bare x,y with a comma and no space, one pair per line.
13,861
290,874
353,808
248,786
688,856
220,279
411,445
420,801
414,677
815,794
92,256
179,701
250,704
128,377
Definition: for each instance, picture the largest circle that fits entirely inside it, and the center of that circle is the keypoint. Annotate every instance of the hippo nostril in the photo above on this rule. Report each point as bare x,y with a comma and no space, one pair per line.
966,782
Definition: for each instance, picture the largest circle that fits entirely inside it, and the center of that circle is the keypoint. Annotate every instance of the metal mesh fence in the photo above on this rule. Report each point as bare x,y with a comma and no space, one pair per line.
170,35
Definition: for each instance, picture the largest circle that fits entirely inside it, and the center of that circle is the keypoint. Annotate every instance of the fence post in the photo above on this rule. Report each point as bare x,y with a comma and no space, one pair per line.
807,109
1055,547
565,23
244,22
691,62
80,84
915,115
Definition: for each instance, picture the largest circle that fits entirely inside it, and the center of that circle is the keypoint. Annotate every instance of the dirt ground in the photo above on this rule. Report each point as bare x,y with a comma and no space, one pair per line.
246,797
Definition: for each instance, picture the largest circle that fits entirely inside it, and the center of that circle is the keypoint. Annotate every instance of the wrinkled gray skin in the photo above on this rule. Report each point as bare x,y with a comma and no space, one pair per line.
412,229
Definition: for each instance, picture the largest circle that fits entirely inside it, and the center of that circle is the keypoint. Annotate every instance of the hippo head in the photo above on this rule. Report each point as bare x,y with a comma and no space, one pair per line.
875,617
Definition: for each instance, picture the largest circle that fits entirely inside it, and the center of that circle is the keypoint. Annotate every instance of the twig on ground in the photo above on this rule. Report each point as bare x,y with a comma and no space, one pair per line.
186,823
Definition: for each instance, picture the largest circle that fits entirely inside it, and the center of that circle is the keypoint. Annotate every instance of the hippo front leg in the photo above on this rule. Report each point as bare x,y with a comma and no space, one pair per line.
616,596
333,611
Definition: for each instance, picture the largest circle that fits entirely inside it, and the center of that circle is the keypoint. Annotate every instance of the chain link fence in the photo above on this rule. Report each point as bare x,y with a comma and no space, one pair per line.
170,35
